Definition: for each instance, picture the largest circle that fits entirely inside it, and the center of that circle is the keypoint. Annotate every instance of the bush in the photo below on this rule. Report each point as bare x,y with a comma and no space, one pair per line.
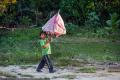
101,32
25,20
93,20
114,22
73,11
71,28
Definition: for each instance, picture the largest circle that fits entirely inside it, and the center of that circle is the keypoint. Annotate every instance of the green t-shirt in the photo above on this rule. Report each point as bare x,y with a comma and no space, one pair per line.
47,50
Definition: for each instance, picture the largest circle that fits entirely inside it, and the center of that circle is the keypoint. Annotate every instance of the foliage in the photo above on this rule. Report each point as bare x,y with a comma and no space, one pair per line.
25,20
21,47
83,18
71,28
114,22
8,19
88,70
78,12
93,20
5,3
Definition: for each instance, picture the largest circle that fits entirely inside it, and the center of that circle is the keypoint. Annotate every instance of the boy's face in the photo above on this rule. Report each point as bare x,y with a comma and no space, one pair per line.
42,36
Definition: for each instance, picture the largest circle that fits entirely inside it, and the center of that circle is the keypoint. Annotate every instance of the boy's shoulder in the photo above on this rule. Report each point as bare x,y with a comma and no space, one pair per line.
42,40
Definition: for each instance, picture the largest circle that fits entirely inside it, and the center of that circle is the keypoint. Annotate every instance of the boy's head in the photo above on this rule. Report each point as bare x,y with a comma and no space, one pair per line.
43,35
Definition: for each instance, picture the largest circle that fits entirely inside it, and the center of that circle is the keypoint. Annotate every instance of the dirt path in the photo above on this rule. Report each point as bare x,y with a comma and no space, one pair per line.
27,72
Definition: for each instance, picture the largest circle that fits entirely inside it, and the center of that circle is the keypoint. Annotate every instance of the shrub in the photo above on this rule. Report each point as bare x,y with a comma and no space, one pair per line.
71,28
93,20
25,20
114,22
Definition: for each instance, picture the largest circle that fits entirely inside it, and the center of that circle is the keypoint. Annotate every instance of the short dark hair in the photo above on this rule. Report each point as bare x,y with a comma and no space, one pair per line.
43,32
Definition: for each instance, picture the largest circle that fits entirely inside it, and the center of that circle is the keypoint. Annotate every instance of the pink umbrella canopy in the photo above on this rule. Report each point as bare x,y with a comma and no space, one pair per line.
55,25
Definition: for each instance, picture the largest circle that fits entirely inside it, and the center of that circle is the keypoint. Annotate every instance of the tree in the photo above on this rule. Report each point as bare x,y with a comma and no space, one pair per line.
4,3
114,22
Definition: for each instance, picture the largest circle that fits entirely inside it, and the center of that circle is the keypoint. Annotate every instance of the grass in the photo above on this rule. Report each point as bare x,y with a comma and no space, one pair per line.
26,75
68,62
91,50
21,47
88,70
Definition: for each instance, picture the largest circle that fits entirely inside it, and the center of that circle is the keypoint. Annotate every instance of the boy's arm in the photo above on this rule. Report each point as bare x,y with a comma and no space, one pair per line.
50,35
47,43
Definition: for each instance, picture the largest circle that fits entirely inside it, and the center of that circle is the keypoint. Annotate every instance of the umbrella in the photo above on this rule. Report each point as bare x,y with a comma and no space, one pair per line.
55,25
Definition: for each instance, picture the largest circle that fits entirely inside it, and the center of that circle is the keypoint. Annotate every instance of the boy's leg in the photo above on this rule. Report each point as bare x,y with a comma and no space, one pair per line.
41,64
49,63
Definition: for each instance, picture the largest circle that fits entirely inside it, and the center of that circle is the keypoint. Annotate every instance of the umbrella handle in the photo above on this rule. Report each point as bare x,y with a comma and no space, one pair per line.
59,11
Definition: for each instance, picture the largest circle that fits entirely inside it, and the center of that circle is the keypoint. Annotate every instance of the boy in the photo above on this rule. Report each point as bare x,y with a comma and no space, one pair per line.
46,50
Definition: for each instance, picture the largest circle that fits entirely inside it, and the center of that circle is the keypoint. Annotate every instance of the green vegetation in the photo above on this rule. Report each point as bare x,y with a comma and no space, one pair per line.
93,28
24,75
88,70
92,13
20,47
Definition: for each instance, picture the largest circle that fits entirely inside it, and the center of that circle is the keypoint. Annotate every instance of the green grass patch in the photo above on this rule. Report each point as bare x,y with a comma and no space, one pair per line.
88,70
26,75
21,46
86,50
68,62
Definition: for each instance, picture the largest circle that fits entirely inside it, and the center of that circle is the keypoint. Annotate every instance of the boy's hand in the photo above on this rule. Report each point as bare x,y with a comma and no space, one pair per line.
49,38
50,34
48,41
